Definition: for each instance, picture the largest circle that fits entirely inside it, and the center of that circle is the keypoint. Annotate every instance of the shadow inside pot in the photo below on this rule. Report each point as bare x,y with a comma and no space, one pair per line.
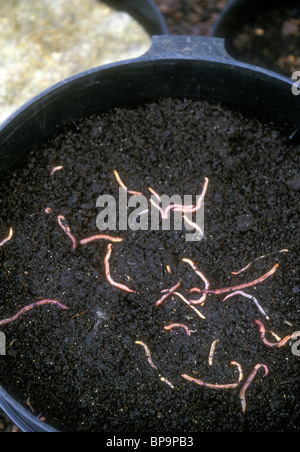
262,33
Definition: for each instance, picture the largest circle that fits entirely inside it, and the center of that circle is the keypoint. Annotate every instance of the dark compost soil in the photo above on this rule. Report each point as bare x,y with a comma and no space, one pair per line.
271,40
81,369
190,17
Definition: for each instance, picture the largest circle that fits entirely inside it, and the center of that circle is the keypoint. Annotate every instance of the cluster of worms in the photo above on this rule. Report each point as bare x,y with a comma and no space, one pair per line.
233,291
195,304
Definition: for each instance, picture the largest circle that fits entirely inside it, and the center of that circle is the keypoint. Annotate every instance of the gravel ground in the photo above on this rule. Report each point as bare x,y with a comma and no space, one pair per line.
44,42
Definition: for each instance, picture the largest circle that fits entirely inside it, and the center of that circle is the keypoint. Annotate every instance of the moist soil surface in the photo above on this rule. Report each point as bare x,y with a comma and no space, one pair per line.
271,40
81,369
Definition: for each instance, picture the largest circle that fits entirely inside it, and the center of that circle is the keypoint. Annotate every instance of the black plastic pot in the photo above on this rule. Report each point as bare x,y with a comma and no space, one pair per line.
237,12
177,67
145,12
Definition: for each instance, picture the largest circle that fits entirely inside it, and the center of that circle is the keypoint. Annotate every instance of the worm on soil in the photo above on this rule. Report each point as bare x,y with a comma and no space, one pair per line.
179,325
8,238
168,292
147,353
217,386
268,343
31,306
248,381
107,272
61,219
250,297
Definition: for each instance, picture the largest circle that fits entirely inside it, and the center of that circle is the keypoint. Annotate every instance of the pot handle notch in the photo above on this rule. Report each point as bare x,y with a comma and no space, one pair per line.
187,47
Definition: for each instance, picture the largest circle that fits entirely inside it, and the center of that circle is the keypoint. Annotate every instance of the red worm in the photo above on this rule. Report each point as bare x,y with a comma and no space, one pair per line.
217,386
242,286
107,272
56,168
248,381
258,258
180,207
31,306
266,342
179,325
147,353
168,293
250,297
189,304
67,230
124,186
204,279
9,237
100,237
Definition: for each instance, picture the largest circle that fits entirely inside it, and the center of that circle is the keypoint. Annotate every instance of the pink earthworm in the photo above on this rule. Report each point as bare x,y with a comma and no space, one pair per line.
250,297
56,168
8,238
212,351
120,182
67,230
180,207
248,381
193,225
155,194
100,237
176,207
217,386
258,258
165,213
147,353
192,209
242,286
179,325
189,304
169,270
31,306
204,279
168,292
266,342
162,212
107,272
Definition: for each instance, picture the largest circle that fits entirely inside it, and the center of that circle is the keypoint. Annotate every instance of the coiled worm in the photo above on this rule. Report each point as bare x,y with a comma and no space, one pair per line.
204,279
268,343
